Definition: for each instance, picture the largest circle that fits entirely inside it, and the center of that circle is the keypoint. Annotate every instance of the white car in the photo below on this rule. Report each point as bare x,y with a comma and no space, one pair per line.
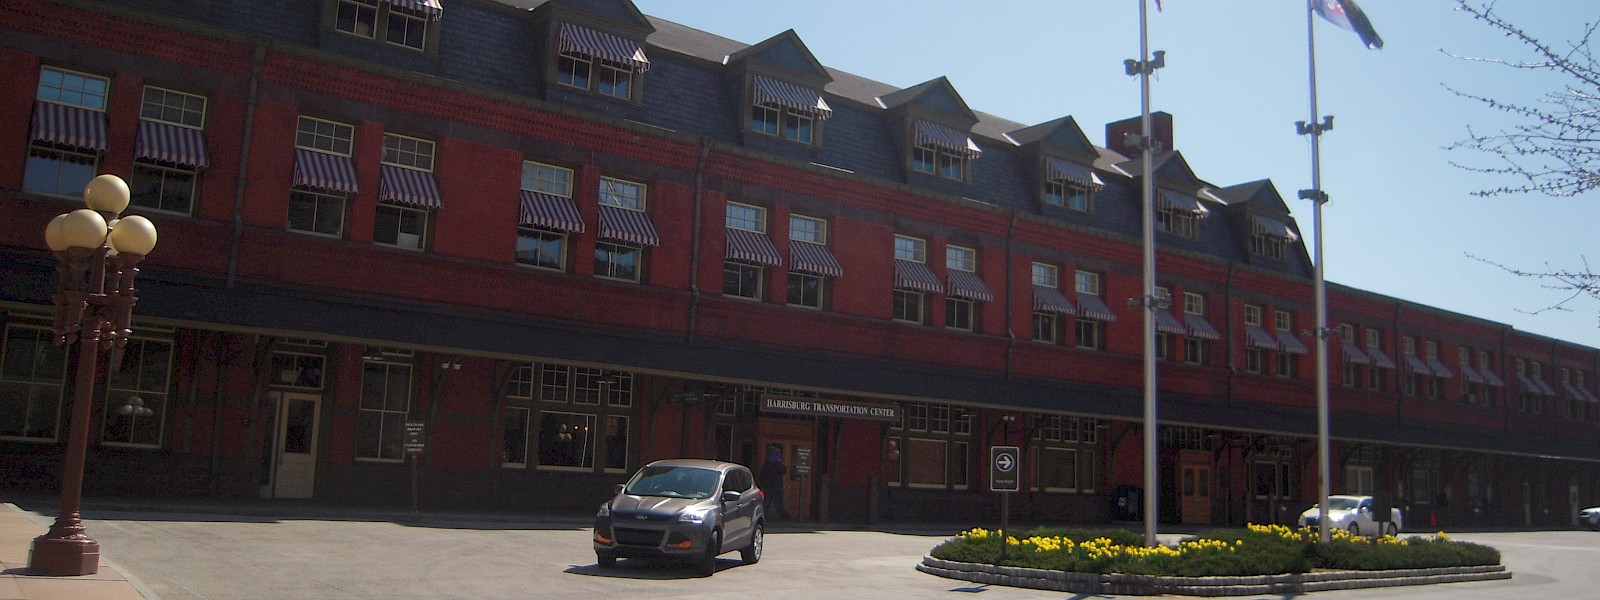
1353,513
1590,517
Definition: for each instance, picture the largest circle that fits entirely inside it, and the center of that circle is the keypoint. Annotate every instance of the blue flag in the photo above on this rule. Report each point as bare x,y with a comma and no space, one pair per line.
1346,14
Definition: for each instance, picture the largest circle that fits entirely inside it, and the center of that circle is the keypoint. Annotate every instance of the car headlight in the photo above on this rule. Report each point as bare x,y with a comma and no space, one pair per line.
605,511
695,518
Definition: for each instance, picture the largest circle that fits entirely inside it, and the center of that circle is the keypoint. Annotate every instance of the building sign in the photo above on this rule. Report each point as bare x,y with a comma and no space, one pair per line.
1005,467
414,443
818,407
801,461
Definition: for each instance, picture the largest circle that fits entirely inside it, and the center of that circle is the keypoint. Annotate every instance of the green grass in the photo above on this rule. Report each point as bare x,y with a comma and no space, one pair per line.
1253,550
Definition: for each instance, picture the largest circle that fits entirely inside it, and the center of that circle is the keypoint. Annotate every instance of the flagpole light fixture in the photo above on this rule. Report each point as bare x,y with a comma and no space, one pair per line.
98,255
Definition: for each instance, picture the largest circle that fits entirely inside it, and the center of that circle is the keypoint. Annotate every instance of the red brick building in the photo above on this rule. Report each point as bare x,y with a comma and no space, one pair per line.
569,238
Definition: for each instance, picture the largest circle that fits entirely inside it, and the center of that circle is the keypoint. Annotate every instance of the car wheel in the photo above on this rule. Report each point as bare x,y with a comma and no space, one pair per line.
707,565
1355,529
752,553
1392,529
606,562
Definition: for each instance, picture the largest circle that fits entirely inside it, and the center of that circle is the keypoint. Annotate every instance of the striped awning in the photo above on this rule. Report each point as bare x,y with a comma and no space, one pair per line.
1536,386
916,276
791,96
1049,299
324,171
1588,395
71,126
430,8
1290,343
582,40
408,186
1439,370
539,209
935,134
1071,172
1379,359
1171,200
1353,354
1490,378
1416,365
1166,322
753,247
813,258
1092,307
1256,337
968,285
1470,374
1545,387
1269,226
625,225
1576,393
168,143
1201,328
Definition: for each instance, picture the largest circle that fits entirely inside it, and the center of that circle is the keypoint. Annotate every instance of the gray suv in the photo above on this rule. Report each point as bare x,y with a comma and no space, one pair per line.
687,509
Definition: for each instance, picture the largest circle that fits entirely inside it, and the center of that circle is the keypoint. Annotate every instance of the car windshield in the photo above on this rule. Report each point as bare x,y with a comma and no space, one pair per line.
1337,503
674,482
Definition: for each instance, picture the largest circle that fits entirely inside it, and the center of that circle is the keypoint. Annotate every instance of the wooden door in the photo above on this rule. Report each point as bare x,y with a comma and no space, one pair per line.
1194,487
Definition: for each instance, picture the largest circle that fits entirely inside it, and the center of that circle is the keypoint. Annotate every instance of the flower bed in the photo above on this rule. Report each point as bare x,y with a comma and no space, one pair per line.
1254,550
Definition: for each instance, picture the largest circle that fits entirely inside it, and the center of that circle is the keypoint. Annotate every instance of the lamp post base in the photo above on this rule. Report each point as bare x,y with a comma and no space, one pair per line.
64,556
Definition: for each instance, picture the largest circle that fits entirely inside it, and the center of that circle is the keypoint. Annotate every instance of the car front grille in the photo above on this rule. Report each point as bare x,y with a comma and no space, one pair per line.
638,537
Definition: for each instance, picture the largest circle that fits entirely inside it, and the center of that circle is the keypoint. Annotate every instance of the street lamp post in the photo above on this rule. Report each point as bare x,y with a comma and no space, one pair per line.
98,256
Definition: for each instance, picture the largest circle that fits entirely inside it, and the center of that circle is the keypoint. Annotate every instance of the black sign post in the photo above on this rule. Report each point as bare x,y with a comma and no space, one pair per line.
1005,468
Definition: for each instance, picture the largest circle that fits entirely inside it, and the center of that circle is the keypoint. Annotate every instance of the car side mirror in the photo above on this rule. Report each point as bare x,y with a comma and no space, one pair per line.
731,496
619,488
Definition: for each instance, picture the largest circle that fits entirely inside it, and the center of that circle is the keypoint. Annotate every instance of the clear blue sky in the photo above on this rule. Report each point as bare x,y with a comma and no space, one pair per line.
1402,221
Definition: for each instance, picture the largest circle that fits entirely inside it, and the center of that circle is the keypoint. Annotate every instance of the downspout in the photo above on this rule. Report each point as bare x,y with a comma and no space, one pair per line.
694,242
241,181
1011,334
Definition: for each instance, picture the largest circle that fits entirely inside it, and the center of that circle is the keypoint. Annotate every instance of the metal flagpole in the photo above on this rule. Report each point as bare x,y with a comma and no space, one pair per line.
1317,197
1144,68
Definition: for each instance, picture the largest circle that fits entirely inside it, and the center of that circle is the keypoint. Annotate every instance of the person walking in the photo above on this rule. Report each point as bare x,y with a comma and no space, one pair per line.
772,476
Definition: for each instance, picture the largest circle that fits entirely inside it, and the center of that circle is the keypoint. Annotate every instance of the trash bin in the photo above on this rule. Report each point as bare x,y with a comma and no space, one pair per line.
1127,503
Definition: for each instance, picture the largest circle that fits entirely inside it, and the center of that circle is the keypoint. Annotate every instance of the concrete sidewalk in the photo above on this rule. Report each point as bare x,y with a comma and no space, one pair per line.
17,530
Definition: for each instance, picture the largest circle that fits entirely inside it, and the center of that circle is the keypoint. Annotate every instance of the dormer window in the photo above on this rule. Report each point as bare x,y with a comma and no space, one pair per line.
598,62
398,22
786,110
1269,236
1179,214
942,151
1070,185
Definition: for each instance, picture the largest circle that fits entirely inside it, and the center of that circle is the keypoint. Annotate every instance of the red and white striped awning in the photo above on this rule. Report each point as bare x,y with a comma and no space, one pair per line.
625,225
968,285
71,126
1470,374
539,209
1353,354
1201,328
1049,299
1379,359
1166,322
791,96
168,143
408,186
1171,200
324,171
753,247
1256,337
1260,225
1492,379
1439,370
1092,307
430,8
1071,172
582,40
813,258
1290,343
916,276
944,137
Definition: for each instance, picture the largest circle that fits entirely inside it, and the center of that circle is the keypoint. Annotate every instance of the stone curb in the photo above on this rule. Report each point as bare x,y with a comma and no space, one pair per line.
1150,585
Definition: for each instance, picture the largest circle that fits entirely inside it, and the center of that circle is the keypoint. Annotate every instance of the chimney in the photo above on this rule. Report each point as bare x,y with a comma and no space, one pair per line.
1118,134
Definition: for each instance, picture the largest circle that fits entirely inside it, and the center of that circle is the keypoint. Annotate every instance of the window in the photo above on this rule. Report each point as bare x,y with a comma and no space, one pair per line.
385,405
403,223
908,306
961,259
31,372
1358,480
408,152
297,370
622,194
520,381
618,260
937,441
1255,357
1252,315
960,311
1352,372
1377,375
1491,380
807,284
938,160
1408,350
1284,323
584,71
539,246
1065,448
315,210
1068,195
514,437
1045,275
549,179
140,379
1430,353
1089,333
1536,372
58,168
910,248
808,229
402,26
1176,221
744,278
775,120
1269,246
575,403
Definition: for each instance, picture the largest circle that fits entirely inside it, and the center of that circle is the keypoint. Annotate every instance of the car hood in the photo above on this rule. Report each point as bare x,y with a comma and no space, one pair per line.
658,506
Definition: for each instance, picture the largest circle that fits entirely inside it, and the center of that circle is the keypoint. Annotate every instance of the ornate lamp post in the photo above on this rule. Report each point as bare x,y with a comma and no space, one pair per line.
98,254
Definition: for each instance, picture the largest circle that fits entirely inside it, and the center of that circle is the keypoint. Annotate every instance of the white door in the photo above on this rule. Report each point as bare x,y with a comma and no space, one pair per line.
295,469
